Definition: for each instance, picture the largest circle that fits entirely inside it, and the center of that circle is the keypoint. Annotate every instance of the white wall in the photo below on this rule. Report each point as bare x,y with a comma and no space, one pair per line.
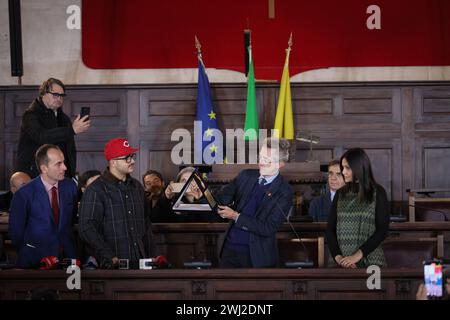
51,49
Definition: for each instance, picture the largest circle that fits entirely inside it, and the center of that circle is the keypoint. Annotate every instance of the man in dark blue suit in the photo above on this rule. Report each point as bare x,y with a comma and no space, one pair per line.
40,223
260,202
320,206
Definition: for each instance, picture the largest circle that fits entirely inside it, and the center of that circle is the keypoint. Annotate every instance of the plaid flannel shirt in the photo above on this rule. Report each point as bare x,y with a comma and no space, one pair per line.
115,220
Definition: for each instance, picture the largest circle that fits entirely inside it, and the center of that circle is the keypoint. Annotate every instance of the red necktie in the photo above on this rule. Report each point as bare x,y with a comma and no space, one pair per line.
55,206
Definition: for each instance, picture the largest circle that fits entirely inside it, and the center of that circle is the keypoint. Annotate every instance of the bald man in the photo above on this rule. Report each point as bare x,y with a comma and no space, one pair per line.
18,179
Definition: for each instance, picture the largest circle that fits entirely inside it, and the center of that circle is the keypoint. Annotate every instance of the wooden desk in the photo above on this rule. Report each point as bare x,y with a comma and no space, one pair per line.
181,242
300,227
219,284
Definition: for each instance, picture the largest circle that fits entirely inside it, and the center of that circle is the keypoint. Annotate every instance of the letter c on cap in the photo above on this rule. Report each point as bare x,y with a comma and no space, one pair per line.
126,144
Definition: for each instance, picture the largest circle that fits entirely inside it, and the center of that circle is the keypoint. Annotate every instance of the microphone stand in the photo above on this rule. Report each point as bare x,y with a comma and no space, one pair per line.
295,264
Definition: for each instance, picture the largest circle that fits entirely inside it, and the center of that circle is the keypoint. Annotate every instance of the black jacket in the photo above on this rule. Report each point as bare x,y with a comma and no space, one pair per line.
40,126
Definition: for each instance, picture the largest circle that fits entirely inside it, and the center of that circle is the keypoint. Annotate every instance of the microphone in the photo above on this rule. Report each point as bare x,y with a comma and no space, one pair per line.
49,263
159,262
195,263
162,262
52,262
294,264
442,213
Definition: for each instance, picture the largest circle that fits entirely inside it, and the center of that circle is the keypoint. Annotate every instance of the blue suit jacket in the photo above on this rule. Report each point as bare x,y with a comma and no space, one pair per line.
271,213
319,208
31,225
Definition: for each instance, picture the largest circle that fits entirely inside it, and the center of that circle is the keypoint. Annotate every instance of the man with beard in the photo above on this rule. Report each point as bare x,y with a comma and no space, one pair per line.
260,202
154,192
42,212
114,216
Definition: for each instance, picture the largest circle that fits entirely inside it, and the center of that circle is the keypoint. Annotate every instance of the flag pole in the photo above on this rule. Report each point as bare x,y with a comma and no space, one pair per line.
288,50
293,141
284,116
247,44
199,48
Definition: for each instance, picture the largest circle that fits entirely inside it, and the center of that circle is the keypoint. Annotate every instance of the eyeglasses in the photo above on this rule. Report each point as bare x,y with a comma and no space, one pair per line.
57,95
128,158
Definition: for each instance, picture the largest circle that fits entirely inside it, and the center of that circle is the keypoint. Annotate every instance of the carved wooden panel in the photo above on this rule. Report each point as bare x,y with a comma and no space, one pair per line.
16,102
412,120
139,290
249,290
312,106
161,161
381,160
221,284
433,104
338,294
367,106
90,160
108,108
322,155
436,164
436,106
165,110
10,160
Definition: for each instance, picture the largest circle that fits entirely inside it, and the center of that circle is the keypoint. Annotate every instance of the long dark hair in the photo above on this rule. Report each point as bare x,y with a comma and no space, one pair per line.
363,182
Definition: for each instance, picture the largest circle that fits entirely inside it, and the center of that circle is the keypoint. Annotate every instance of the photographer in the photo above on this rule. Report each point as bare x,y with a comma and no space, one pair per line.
45,122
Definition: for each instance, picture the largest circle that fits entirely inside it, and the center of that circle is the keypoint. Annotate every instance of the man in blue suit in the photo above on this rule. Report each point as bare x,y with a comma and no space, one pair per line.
40,223
259,202
320,206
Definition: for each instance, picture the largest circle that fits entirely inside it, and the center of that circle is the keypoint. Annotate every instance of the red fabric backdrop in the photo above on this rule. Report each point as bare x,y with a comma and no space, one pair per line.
327,33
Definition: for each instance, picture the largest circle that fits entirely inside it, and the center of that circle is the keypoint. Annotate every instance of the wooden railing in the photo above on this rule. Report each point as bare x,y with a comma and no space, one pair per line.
217,284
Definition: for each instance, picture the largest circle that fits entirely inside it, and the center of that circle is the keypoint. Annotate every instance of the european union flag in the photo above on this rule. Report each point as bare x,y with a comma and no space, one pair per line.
207,117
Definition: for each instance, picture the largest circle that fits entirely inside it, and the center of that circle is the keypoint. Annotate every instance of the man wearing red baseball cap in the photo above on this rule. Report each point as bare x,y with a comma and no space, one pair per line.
114,216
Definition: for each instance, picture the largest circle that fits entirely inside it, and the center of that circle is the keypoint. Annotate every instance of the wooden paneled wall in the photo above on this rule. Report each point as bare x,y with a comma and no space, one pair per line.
404,127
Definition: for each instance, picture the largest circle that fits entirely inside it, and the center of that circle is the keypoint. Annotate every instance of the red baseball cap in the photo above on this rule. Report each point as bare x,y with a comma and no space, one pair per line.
118,147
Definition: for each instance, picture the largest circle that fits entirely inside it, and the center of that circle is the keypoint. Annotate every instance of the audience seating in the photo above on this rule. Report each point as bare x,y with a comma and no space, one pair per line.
422,207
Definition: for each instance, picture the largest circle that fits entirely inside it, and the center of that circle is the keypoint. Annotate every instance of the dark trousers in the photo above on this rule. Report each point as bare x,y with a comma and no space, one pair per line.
235,259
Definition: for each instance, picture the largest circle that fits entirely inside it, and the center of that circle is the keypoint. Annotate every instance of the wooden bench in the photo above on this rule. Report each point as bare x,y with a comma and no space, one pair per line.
429,207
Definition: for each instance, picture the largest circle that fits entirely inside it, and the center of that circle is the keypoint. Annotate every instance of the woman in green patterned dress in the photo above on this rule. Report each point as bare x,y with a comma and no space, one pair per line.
359,217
